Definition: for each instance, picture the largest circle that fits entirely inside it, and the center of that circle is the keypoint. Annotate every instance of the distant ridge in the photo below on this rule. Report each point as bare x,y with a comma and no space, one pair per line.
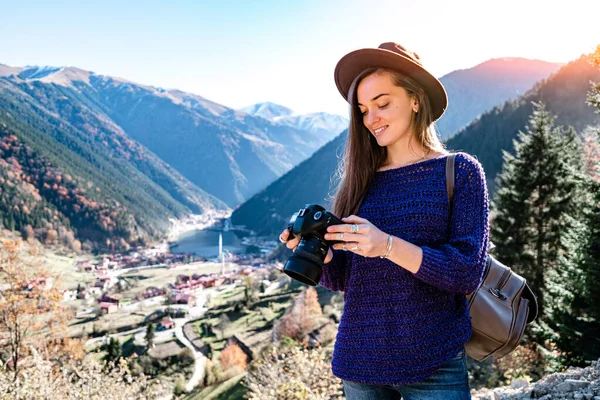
267,110
472,91
323,126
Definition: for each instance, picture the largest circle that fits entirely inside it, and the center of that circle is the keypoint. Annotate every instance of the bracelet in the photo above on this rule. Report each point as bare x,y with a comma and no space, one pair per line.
389,247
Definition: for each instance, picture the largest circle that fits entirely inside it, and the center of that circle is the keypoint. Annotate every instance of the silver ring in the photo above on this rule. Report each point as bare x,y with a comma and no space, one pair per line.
340,236
354,228
344,247
355,248
281,239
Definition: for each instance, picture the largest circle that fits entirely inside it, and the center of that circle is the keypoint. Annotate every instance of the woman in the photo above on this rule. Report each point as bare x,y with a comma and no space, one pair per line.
407,260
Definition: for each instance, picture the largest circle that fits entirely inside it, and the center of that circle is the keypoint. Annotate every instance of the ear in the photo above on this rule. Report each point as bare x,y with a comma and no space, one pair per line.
415,104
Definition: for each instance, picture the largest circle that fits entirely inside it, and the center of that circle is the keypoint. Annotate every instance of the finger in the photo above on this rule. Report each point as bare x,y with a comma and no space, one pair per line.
348,247
347,228
346,237
354,219
355,248
290,244
283,236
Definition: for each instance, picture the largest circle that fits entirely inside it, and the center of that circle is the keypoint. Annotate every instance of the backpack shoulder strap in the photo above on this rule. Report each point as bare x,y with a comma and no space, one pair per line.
450,178
450,188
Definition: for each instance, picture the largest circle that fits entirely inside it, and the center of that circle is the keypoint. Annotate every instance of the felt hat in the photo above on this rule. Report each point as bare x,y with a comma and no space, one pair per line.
395,57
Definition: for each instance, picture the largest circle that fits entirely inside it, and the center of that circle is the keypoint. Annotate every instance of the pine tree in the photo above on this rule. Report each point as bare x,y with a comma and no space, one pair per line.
536,209
150,336
223,324
580,328
113,352
580,318
594,94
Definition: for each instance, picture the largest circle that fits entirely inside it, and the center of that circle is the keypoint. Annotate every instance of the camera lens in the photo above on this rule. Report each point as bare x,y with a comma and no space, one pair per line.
306,264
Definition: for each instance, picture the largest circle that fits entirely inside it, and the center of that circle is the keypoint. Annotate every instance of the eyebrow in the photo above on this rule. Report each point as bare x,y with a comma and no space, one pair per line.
376,97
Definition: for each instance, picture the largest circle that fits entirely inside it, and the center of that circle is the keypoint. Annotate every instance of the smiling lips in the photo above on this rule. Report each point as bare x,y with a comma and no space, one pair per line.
379,131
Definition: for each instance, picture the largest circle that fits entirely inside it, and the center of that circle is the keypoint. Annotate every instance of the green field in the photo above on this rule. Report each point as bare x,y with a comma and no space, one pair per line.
259,316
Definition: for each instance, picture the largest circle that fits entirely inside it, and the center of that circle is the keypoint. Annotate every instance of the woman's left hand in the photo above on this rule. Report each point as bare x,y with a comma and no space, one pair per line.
360,237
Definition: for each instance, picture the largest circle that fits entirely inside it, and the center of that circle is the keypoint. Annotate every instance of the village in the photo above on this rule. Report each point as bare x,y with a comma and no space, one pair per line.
114,281
112,278
116,296
111,282
194,307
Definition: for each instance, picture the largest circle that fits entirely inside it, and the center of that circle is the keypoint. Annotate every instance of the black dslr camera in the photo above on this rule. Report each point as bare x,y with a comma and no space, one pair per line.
310,223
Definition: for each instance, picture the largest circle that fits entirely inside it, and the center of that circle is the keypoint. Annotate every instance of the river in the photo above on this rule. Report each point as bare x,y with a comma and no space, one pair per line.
206,243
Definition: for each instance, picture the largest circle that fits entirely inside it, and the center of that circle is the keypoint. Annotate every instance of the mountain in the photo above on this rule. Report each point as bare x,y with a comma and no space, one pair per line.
564,93
268,110
322,124
269,211
73,168
474,90
229,154
320,127
37,72
5,70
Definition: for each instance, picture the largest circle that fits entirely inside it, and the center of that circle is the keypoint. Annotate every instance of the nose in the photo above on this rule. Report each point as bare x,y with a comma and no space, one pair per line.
371,117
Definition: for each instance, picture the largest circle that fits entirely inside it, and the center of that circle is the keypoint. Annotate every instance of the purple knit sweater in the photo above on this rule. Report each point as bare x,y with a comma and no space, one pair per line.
398,327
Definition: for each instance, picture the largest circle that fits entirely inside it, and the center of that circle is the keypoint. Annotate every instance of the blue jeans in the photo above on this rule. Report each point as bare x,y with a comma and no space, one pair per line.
449,382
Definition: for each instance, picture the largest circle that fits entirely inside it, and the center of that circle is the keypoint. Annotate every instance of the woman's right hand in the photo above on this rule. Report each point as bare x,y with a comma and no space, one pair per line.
292,244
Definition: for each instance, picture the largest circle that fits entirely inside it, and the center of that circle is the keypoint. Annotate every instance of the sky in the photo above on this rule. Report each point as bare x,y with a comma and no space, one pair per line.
239,53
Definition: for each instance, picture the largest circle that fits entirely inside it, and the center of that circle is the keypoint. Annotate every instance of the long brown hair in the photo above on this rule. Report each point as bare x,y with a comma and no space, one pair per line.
363,156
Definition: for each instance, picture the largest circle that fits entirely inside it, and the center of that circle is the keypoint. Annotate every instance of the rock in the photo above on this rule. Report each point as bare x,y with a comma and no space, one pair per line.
571,385
527,394
575,383
519,383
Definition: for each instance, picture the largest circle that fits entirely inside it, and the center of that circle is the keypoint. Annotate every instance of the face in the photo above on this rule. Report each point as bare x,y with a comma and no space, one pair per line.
387,109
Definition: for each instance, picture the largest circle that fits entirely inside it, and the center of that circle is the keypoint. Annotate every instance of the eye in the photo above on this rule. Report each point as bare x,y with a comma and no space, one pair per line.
384,106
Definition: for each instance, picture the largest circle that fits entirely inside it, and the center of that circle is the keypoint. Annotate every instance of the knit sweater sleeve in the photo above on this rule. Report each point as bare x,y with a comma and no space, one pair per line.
336,272
457,266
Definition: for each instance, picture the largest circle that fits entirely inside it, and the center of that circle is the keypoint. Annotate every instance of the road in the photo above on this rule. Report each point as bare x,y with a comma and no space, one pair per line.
163,336
199,358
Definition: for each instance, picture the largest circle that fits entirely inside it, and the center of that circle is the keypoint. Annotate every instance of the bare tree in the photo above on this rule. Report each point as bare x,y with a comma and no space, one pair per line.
30,309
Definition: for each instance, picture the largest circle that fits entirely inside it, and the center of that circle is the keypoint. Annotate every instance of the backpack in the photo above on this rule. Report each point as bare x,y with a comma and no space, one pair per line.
500,307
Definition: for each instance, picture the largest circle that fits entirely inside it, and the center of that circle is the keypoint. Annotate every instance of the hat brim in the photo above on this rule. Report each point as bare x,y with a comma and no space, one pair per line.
352,64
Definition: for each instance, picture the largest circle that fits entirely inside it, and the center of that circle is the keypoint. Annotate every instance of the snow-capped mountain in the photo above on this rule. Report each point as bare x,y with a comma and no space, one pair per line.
267,110
323,125
37,72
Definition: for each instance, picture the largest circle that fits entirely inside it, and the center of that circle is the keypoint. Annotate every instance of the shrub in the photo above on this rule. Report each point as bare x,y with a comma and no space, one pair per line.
86,380
232,356
293,374
179,386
